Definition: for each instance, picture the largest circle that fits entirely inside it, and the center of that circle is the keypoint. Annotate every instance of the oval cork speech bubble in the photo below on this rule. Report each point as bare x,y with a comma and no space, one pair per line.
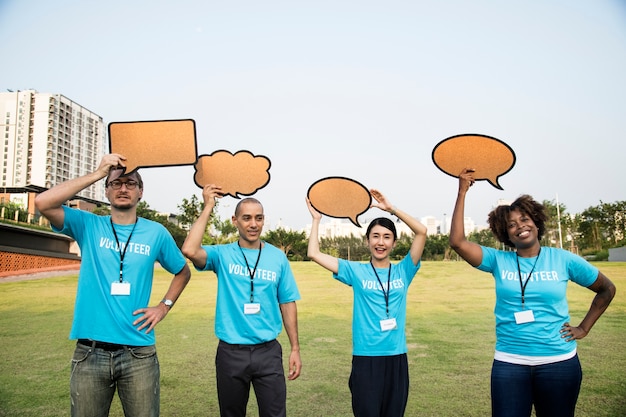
340,197
489,157
238,174
156,143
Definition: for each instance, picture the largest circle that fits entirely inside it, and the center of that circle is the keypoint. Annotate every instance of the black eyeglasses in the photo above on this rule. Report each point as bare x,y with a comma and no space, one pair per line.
117,184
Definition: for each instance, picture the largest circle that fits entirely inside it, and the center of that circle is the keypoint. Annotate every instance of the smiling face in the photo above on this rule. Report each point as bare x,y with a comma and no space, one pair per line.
249,220
522,231
380,242
504,219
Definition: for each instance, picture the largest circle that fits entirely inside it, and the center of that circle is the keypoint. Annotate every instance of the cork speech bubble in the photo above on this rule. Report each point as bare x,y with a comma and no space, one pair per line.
238,174
154,143
340,197
489,157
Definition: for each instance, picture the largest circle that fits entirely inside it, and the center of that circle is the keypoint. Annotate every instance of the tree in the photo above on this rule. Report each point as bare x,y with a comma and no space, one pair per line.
225,227
591,228
436,248
486,238
602,226
10,208
189,210
616,222
218,231
346,247
293,244
556,223
403,245
102,210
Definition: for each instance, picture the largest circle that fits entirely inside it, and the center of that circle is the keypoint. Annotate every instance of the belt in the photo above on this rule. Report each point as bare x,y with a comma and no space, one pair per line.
251,347
103,345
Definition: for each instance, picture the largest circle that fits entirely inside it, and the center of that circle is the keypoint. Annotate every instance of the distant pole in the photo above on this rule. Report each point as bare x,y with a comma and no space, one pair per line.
558,216
444,225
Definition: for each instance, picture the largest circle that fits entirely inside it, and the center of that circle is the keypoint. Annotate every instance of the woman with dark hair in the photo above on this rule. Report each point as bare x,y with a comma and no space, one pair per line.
379,381
535,361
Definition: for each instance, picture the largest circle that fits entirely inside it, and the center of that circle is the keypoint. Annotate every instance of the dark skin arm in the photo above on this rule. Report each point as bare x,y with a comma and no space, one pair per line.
605,291
471,252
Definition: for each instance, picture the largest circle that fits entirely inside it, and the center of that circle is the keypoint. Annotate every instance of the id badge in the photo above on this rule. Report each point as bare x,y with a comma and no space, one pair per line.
120,288
525,316
388,324
251,308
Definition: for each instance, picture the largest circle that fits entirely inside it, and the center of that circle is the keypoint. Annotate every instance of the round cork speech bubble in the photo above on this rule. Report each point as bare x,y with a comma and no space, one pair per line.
489,157
340,197
238,174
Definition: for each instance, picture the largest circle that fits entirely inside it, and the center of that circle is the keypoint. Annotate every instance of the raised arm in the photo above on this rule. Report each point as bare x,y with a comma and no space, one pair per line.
50,202
470,251
192,247
417,247
327,261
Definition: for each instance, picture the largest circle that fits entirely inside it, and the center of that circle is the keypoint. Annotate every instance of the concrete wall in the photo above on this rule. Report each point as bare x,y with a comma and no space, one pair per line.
617,254
23,250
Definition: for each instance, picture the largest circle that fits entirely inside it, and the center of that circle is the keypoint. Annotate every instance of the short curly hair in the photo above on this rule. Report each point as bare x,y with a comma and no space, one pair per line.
498,217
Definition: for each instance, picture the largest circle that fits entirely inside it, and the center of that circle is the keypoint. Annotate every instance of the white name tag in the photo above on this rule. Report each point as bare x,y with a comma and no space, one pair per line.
120,288
388,324
525,316
251,308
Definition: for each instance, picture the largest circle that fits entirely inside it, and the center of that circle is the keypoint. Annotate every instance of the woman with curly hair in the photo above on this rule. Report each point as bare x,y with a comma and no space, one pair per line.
535,361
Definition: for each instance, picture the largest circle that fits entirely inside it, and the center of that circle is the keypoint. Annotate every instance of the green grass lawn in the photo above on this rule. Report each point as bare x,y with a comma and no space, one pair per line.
450,334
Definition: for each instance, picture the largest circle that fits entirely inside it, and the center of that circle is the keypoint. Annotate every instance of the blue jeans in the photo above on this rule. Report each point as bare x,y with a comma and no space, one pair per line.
552,388
96,373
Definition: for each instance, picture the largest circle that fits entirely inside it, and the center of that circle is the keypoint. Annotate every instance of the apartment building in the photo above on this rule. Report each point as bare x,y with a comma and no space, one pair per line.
47,139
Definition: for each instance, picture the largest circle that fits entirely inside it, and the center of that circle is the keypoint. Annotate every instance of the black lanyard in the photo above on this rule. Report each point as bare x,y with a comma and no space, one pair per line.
385,293
253,271
519,271
123,252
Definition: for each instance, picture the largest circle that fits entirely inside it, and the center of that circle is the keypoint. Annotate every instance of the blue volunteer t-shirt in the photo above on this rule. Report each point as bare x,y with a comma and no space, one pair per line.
545,295
369,305
274,284
98,315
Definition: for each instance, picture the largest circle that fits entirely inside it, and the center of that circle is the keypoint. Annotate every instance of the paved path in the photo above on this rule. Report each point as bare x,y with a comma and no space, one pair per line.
38,274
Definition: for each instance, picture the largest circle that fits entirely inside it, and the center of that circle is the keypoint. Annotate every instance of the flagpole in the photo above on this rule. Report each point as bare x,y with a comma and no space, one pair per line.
558,216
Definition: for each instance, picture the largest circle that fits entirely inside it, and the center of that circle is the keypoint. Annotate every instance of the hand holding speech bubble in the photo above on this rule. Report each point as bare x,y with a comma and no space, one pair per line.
240,174
340,197
489,157
154,143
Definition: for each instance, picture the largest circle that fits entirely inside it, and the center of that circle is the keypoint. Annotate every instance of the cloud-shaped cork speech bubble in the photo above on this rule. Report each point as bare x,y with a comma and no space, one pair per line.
489,157
340,197
154,143
238,174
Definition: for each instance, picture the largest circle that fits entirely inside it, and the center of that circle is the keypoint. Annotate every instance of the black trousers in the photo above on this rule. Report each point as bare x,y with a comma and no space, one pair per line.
379,385
261,365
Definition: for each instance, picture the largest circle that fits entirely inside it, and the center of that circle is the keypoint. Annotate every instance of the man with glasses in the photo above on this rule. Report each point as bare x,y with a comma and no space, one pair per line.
113,323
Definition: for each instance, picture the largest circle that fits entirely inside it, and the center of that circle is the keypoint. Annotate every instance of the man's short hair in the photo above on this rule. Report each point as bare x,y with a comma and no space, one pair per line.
119,173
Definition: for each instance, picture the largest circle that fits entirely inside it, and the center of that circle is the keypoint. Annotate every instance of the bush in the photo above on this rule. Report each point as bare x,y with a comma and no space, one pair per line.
602,255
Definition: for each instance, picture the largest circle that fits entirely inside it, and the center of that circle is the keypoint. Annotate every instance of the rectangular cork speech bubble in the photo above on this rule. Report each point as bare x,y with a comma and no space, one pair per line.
154,143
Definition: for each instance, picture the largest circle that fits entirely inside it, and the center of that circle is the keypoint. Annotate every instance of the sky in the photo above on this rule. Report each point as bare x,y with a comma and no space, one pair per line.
357,89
